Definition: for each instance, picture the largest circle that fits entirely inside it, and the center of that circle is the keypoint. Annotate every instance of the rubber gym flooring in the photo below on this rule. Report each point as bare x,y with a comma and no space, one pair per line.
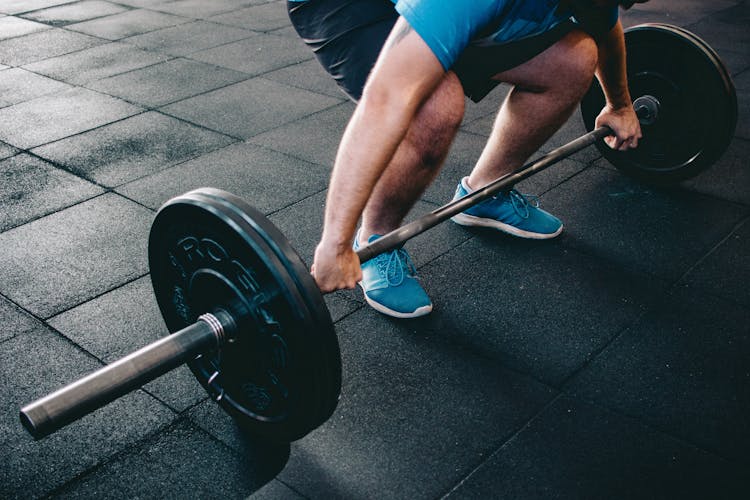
613,362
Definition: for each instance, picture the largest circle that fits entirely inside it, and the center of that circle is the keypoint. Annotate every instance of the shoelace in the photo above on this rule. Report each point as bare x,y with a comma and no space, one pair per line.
395,266
521,202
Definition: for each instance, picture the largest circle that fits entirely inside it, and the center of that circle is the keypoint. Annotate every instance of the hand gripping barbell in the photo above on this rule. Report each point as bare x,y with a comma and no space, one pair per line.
247,316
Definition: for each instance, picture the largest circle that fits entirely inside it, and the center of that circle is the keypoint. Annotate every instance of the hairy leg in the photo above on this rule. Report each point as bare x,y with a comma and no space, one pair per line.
546,91
417,160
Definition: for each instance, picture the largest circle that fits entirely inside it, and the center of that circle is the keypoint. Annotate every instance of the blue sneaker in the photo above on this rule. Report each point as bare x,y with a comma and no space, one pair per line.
510,212
390,284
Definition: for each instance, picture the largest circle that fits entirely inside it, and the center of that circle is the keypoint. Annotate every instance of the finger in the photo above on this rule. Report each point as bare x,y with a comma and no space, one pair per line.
617,143
630,143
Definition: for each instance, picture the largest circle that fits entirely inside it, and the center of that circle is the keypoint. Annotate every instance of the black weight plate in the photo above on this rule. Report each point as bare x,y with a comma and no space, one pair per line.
698,104
280,377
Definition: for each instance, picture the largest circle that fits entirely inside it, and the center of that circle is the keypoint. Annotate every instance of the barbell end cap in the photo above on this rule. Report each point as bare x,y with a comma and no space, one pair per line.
647,108
33,421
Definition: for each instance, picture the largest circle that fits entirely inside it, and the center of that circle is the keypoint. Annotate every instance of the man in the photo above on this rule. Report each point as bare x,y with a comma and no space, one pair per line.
408,64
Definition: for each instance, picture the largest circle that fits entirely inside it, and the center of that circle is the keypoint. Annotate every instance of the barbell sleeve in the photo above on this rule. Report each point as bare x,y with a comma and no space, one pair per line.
400,235
68,404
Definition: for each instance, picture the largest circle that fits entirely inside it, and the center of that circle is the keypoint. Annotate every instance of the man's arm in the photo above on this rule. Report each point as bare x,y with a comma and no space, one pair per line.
405,74
618,114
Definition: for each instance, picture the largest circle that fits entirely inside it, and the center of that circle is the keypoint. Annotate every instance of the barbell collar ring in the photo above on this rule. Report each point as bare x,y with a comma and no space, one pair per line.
647,108
68,404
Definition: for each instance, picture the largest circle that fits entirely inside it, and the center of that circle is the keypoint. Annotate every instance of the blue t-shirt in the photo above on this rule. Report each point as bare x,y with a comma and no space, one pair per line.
455,24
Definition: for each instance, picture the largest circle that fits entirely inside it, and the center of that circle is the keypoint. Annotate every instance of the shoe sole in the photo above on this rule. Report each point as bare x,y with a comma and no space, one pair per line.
422,311
470,220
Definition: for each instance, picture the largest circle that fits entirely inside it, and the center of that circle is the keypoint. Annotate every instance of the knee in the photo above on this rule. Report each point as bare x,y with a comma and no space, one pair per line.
437,121
578,61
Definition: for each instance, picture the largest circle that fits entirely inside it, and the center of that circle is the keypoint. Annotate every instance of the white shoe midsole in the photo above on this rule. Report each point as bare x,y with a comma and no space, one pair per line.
470,220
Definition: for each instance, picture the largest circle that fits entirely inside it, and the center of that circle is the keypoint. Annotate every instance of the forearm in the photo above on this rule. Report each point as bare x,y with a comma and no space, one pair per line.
371,138
612,69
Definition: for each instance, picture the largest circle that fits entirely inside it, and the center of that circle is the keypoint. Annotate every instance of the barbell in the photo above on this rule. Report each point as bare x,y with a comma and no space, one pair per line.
246,315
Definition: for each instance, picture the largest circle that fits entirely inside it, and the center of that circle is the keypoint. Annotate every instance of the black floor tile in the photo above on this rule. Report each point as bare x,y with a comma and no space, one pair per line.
682,369
151,4
135,147
20,6
574,450
166,82
288,31
95,63
536,306
638,312
742,81
259,176
249,108
65,259
276,490
200,8
185,39
11,27
664,11
726,271
34,364
182,462
17,321
270,52
726,29
661,232
326,127
415,415
736,61
264,17
18,85
74,12
6,151
49,118
43,45
742,85
210,417
728,178
308,75
128,23
743,126
32,188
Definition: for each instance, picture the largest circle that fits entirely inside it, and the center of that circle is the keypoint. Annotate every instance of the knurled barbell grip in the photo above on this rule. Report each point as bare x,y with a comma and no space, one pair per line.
398,236
66,405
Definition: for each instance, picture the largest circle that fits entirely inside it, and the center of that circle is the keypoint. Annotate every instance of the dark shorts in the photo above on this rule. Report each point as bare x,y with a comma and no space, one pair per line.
347,35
